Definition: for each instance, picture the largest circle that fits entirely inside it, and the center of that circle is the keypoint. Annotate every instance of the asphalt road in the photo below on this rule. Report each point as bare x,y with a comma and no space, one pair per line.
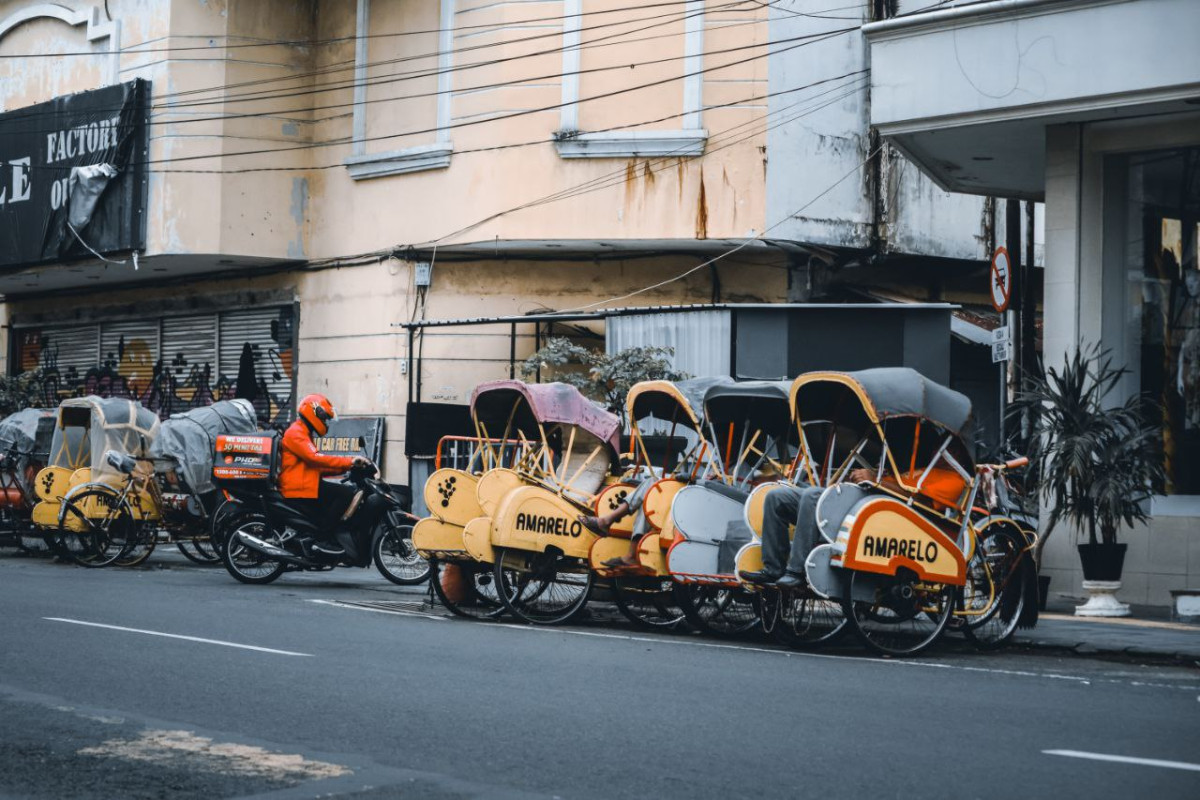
346,701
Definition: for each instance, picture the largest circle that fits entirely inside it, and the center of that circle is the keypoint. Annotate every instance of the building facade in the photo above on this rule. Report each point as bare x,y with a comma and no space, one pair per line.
1091,106
318,173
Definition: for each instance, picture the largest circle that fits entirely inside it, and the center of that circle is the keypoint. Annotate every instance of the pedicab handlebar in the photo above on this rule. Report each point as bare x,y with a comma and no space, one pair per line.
1011,464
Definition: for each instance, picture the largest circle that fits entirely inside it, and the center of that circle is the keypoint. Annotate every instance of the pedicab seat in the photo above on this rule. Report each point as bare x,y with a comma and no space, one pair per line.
732,492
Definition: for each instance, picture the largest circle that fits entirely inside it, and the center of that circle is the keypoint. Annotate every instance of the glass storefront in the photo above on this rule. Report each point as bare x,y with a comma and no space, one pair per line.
1162,236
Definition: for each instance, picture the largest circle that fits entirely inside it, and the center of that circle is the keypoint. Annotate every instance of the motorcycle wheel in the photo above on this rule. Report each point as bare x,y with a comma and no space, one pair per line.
245,564
396,558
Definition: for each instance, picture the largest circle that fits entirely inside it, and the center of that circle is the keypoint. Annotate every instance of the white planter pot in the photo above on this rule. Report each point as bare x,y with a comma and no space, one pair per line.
1102,601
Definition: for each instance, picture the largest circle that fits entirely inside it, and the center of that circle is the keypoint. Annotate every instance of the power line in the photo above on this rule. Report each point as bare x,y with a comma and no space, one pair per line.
731,251
617,177
514,145
799,41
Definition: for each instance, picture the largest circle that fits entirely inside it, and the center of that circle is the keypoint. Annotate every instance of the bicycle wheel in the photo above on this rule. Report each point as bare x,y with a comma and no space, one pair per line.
997,572
904,615
198,552
222,518
248,565
96,528
396,558
144,541
802,620
648,602
542,588
467,589
718,610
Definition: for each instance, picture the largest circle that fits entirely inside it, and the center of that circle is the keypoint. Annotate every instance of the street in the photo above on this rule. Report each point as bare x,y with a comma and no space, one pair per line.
179,682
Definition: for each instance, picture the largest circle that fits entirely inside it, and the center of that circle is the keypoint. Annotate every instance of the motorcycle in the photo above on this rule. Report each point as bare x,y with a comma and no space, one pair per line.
269,535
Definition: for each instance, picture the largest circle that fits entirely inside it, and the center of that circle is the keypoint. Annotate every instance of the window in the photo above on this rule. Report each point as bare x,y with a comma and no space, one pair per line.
1162,239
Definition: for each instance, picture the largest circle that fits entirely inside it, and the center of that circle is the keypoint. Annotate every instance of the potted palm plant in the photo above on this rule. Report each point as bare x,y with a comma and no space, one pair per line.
1096,465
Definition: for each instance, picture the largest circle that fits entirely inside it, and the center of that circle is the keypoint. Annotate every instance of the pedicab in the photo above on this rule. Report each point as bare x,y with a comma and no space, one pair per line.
527,524
671,448
900,537
24,448
189,503
95,490
750,427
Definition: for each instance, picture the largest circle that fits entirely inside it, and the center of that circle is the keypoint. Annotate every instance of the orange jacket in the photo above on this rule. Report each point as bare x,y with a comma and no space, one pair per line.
302,465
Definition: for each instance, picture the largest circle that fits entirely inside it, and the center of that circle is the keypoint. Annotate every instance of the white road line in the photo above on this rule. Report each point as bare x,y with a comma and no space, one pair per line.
177,636
1145,762
397,611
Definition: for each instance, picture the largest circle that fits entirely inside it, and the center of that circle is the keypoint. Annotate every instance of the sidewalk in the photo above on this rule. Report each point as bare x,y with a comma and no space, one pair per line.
1148,632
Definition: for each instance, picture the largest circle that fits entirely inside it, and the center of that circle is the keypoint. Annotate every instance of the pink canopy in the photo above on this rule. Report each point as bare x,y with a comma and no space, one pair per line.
547,403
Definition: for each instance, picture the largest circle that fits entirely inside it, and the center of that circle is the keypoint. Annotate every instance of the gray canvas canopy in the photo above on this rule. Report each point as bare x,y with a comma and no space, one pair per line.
27,431
882,394
185,441
663,400
762,405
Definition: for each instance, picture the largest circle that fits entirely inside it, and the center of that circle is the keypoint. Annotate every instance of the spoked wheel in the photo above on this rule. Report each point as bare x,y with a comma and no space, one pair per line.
143,544
246,564
995,589
802,620
904,615
467,589
718,610
542,588
223,520
97,528
198,551
396,558
648,602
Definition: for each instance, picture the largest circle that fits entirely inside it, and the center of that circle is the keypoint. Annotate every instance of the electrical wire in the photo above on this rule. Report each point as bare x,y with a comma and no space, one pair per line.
731,251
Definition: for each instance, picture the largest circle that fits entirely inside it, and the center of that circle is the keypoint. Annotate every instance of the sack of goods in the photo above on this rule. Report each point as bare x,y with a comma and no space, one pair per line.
246,458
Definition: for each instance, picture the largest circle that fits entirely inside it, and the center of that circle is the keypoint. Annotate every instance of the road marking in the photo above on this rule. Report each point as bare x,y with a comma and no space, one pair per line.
1146,762
397,611
177,636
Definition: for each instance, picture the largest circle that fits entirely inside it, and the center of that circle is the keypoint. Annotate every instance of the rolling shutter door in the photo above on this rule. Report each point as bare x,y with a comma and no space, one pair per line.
71,352
124,342
257,344
188,343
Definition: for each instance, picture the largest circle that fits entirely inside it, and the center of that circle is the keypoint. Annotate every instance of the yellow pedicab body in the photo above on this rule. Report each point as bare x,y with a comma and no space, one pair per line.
534,518
450,496
883,534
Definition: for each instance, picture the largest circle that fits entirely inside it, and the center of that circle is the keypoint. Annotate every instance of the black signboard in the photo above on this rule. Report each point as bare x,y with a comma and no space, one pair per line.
58,200
344,434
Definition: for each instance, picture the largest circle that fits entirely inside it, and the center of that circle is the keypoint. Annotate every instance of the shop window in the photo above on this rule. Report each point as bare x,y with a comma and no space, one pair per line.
1164,213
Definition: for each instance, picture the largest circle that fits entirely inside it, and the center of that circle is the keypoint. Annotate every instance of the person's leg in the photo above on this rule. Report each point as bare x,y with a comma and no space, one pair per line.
779,513
807,535
334,498
631,504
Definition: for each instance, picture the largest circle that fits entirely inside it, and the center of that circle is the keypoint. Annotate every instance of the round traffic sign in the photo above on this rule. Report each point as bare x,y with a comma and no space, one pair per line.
1001,279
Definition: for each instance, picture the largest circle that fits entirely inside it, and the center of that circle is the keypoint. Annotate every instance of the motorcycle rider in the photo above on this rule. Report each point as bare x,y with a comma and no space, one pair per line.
303,469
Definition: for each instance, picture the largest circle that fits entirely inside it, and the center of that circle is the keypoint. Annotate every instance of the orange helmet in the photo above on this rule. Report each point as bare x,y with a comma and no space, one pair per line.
317,411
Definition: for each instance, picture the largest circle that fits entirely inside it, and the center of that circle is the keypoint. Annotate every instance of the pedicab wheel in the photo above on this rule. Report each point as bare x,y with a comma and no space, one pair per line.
396,558
648,602
718,610
997,576
802,620
546,589
198,552
905,615
145,539
92,541
248,565
222,518
466,589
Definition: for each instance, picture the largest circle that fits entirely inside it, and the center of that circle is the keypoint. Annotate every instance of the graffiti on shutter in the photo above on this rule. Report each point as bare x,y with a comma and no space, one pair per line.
174,363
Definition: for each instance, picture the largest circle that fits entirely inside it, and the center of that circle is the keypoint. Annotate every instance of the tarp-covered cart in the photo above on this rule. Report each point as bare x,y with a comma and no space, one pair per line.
24,448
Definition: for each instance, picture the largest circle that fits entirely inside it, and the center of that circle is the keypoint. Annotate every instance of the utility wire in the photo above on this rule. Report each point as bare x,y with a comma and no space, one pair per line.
731,251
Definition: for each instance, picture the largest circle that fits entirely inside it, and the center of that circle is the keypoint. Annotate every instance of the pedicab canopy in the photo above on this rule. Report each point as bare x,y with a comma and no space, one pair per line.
27,432
671,401
882,396
520,407
185,442
750,423
88,426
